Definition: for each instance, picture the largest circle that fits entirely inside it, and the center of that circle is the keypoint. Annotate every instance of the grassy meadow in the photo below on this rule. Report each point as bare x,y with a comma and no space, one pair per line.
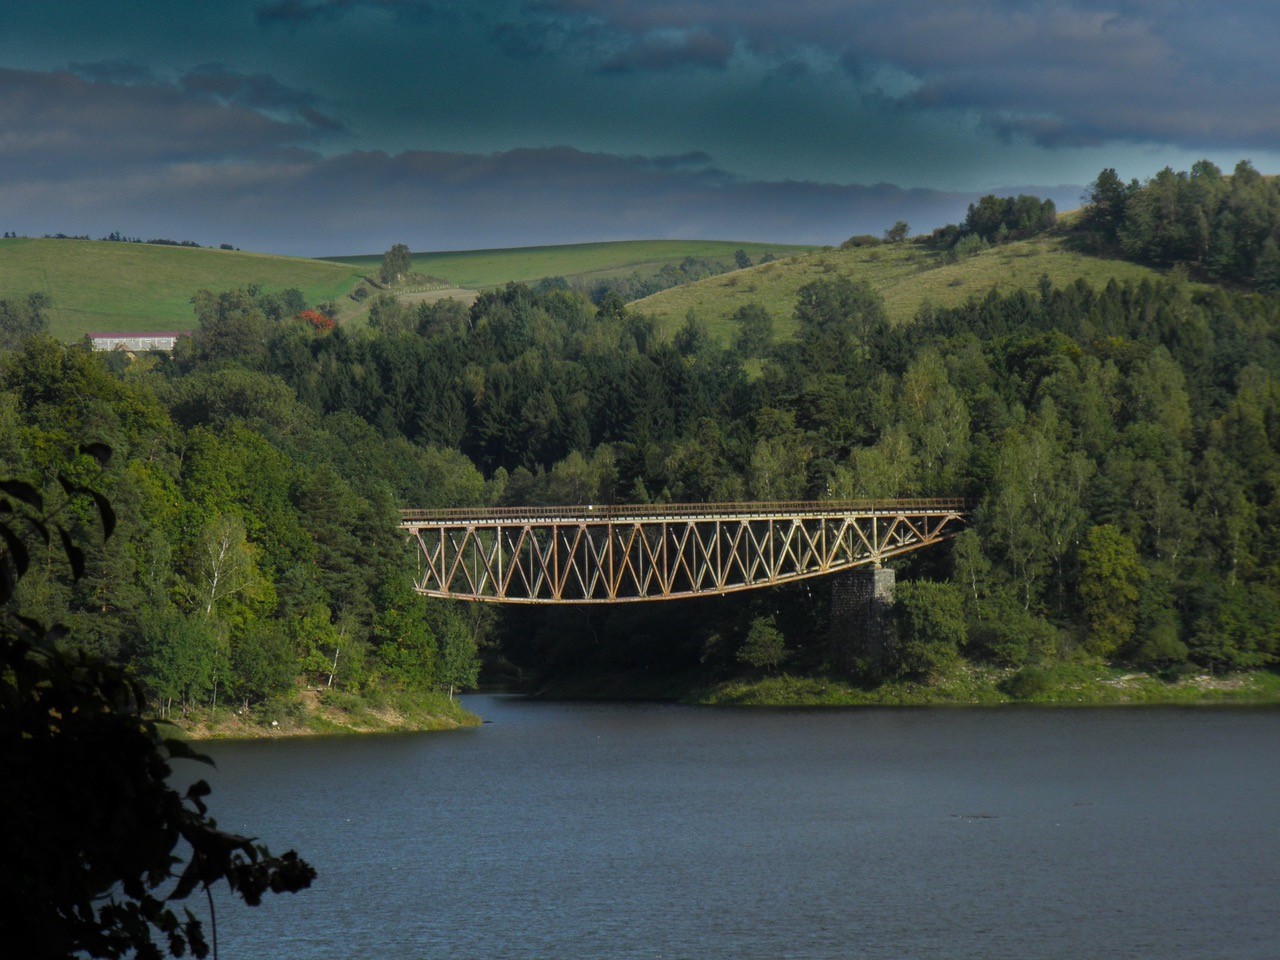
99,286
584,262
905,275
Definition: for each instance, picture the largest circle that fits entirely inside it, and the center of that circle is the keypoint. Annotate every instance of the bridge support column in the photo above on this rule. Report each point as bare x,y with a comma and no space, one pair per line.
861,617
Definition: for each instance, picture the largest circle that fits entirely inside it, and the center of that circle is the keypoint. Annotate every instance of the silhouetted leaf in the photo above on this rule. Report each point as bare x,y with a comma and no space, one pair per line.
31,623
17,549
104,507
99,451
24,492
75,556
181,750
105,511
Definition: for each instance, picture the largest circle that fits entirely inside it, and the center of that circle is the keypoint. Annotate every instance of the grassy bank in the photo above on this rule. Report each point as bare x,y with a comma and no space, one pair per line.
583,262
905,275
326,712
1064,684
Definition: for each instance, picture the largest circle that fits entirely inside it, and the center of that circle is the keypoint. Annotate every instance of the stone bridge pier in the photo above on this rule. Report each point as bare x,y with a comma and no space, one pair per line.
861,626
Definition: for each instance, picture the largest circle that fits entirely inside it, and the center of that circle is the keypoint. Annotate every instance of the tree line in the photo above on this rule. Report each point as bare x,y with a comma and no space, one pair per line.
257,548
1226,228
1122,443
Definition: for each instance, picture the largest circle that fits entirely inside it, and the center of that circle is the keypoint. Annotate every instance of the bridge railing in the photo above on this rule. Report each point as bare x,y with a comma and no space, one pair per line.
667,511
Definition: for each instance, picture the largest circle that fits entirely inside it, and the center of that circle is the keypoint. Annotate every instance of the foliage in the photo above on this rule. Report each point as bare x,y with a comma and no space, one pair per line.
635,285
861,240
320,321
20,320
459,663
579,264
93,828
764,646
1029,682
755,330
994,220
1110,581
1226,227
999,220
395,264
265,461
931,627
898,232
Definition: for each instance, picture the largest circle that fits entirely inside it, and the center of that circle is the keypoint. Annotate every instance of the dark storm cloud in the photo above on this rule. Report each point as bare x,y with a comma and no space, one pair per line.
226,174
1192,73
258,91
60,123
308,11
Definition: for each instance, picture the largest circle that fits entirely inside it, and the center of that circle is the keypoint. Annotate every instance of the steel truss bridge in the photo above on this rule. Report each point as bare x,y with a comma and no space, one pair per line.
619,554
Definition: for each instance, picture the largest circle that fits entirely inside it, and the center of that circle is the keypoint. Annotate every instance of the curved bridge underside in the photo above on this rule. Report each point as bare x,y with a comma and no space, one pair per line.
589,554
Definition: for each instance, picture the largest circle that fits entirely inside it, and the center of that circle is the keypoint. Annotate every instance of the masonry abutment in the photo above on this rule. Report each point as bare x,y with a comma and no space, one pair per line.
862,617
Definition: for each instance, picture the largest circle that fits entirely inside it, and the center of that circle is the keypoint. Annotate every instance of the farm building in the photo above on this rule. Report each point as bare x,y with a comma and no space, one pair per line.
136,342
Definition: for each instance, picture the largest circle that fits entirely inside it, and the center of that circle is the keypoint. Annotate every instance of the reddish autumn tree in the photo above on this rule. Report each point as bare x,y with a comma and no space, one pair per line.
317,319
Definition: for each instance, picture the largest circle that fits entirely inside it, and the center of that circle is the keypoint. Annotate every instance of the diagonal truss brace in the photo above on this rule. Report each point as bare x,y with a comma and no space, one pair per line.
667,552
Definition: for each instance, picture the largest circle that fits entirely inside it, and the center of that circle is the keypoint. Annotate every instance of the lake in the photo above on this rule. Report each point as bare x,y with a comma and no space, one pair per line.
659,831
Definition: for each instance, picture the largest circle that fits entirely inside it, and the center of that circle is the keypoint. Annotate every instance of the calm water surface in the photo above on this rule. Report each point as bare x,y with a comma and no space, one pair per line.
585,830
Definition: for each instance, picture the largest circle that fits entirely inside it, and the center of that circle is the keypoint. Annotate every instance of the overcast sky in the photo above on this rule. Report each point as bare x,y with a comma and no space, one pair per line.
341,126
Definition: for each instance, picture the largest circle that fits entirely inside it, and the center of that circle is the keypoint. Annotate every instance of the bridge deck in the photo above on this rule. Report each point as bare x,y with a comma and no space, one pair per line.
589,513
616,554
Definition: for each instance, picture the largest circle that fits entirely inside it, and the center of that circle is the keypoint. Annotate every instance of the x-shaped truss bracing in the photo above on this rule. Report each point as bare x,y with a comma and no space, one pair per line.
590,554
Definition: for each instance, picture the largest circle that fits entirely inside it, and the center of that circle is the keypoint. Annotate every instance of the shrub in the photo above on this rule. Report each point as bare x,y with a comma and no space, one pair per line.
765,647
861,240
1028,683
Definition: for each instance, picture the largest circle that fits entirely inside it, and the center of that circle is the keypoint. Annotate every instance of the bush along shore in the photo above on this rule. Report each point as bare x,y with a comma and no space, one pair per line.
1060,685
1090,683
324,712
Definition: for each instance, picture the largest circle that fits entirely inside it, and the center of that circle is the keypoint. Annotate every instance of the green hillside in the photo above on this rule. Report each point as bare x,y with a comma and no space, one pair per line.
584,262
905,275
100,286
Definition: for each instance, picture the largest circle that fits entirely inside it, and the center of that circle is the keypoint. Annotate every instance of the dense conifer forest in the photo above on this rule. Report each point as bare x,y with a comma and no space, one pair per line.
1123,444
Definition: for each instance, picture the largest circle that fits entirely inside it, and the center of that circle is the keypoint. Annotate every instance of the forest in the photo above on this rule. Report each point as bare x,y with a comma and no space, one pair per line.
1123,445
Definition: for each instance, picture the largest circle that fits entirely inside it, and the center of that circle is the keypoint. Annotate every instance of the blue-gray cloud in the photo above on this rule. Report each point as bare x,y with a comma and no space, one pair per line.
222,173
253,98
61,125
1194,73
665,51
309,11
123,72
257,91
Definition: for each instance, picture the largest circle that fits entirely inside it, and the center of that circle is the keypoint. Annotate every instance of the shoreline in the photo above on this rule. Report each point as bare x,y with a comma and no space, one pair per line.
1077,685
315,713
321,713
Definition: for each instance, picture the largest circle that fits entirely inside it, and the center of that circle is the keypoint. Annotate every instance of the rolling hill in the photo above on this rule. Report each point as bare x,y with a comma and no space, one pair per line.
101,286
96,286
905,275
579,262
